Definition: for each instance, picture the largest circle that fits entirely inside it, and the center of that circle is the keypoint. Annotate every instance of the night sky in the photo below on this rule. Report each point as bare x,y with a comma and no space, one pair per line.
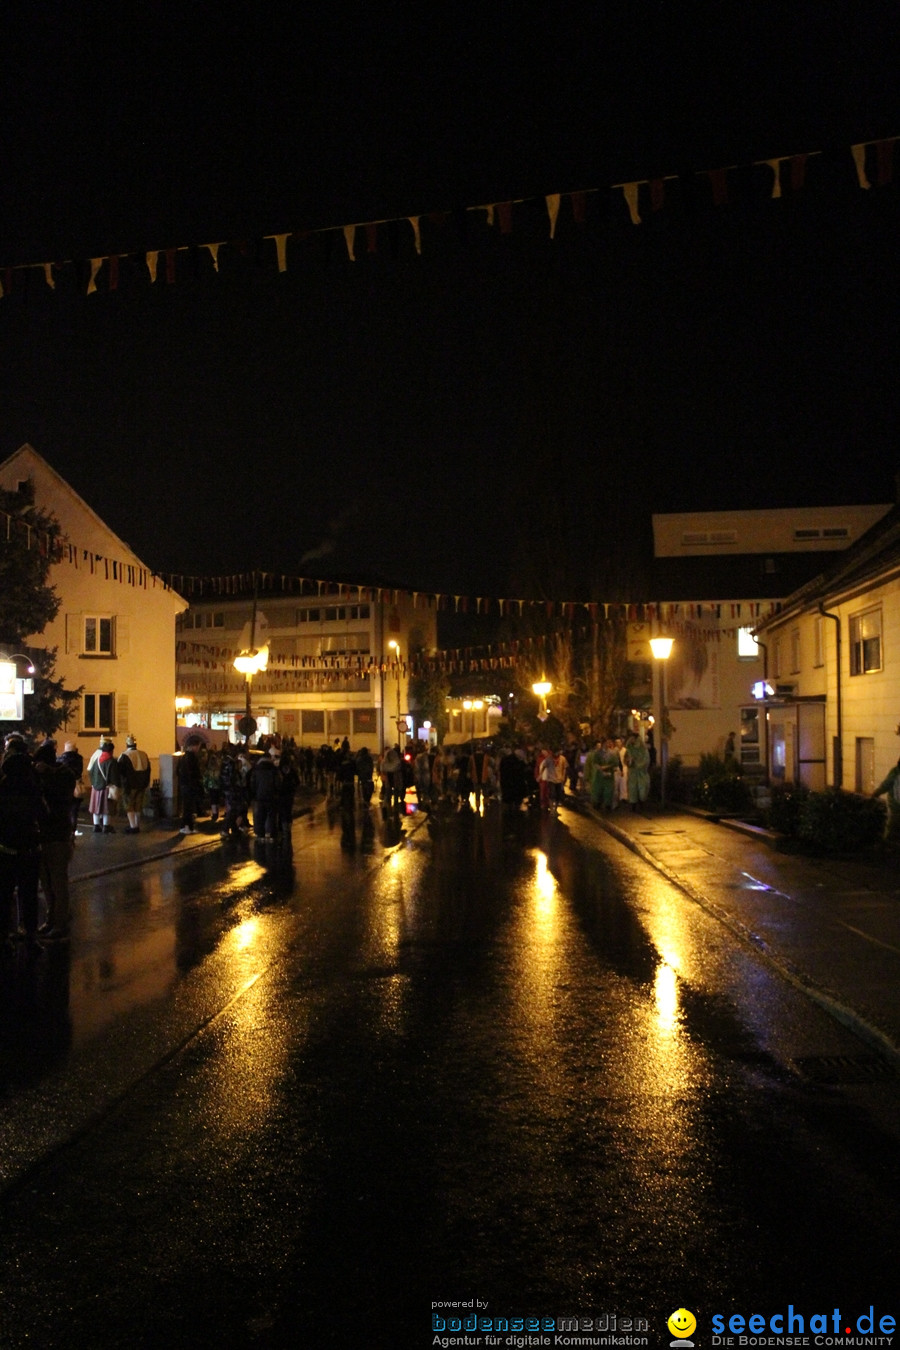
503,411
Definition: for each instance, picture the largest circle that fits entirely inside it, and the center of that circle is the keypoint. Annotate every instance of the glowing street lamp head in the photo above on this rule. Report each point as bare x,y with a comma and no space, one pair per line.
542,688
251,663
661,647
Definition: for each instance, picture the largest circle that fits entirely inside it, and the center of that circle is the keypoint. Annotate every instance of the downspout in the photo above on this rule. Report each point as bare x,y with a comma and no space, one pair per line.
764,648
837,745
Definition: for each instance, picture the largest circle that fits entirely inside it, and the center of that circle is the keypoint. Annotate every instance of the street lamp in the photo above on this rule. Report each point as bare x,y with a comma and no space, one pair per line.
182,703
662,650
473,705
249,664
395,648
541,688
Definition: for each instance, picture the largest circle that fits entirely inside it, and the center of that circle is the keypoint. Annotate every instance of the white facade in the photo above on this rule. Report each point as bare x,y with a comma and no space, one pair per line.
848,659
807,529
115,629
338,662
713,668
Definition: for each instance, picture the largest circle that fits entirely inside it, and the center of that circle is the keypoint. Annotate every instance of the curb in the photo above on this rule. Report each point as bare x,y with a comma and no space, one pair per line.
825,998
165,850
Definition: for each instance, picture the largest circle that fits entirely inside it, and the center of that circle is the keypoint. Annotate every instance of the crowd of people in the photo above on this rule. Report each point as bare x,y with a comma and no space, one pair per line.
42,792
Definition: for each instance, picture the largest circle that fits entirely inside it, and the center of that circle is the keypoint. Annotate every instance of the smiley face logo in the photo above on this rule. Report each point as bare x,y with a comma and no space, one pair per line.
682,1323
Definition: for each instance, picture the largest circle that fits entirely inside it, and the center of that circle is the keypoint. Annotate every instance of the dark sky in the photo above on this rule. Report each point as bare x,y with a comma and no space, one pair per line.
446,419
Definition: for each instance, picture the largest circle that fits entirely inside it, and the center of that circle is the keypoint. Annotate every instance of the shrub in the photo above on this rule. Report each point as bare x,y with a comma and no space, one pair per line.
719,787
835,821
783,813
676,787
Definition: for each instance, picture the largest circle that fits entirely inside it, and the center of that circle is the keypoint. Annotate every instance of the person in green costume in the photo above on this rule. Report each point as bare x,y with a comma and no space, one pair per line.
637,759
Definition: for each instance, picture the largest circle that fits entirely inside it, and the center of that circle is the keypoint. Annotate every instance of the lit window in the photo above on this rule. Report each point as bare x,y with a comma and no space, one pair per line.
865,642
98,635
748,647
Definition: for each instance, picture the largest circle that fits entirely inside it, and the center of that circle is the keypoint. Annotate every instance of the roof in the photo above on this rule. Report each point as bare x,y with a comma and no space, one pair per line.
737,576
872,559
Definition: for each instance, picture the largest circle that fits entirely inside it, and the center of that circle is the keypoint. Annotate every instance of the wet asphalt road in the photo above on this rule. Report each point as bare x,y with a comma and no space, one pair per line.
295,1096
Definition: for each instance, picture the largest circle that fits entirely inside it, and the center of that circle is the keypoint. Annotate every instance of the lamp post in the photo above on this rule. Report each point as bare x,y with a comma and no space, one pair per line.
472,706
182,703
250,664
541,688
662,650
401,736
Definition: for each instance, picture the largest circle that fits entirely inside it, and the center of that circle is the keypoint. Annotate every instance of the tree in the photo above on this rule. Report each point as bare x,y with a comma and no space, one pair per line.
29,544
428,695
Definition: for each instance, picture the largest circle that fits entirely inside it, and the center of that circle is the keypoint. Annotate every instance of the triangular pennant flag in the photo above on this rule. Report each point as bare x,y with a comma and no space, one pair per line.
280,249
859,159
552,211
504,215
884,151
798,172
214,254
350,241
775,166
414,222
630,193
718,181
96,264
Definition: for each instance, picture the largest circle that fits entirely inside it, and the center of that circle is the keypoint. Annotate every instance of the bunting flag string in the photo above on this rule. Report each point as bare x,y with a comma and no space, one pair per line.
205,589
199,589
868,161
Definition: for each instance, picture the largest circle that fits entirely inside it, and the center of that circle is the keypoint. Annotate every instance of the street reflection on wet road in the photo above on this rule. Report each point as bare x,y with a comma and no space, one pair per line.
469,1054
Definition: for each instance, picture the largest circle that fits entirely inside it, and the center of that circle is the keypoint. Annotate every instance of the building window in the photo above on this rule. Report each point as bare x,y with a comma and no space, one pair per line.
365,721
312,721
333,613
819,641
795,651
748,647
339,722
98,635
97,712
865,642
776,659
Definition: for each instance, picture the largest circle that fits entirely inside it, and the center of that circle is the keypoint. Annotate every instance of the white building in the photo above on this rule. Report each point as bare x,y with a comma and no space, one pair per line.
720,575
337,666
115,629
834,661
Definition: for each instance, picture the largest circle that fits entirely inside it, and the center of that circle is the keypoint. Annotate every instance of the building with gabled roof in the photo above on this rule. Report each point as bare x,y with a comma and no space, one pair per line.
835,641
719,576
115,629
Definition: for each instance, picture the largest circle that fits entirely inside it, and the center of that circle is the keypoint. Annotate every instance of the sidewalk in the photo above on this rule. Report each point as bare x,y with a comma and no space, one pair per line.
97,854
829,925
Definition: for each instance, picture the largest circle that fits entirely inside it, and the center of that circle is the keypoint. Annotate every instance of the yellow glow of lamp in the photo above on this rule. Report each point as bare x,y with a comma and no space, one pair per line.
662,650
251,663
542,688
